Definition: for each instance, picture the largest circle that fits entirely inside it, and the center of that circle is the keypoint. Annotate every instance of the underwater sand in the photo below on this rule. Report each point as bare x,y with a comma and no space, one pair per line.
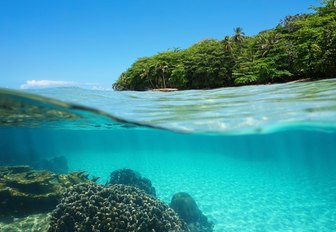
284,181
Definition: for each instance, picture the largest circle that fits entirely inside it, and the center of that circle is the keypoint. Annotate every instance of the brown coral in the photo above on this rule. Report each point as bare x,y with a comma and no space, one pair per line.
92,207
132,178
24,190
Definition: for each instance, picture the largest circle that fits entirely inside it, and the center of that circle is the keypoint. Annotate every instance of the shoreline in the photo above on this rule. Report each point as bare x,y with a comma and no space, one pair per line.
286,82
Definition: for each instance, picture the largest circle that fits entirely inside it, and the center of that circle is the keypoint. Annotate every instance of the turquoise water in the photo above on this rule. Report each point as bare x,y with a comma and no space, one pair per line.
243,110
257,158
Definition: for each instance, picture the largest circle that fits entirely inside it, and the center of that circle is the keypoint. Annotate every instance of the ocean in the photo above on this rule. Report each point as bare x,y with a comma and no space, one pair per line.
254,158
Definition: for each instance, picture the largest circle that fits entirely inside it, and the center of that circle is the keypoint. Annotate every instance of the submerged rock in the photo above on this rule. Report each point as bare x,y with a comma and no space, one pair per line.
57,164
131,178
24,190
92,207
187,209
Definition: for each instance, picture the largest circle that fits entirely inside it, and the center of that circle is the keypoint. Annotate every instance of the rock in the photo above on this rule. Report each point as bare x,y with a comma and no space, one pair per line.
57,165
93,207
24,190
185,206
131,178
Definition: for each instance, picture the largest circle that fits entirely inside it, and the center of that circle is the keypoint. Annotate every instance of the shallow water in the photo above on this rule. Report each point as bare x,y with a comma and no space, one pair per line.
267,175
242,110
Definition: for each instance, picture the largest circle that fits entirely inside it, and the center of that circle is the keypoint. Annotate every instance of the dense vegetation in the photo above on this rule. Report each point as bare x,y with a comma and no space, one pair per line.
301,46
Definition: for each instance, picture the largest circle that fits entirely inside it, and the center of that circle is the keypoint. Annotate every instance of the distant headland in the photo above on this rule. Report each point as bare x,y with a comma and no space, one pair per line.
301,47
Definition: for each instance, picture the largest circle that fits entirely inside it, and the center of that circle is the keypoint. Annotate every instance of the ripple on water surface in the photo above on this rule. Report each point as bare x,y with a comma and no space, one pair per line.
237,110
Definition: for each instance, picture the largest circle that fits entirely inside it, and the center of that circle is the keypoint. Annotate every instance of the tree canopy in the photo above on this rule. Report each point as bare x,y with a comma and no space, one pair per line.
301,46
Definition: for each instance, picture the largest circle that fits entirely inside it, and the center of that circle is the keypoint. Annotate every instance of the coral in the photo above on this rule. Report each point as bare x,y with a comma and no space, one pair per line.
92,207
187,209
18,109
24,190
131,178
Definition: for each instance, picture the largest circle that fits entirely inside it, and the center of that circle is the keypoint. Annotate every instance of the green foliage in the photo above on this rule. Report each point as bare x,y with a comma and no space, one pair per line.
178,77
301,46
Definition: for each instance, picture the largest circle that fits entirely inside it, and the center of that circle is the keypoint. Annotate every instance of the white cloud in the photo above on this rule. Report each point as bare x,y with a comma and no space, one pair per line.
35,84
45,83
100,88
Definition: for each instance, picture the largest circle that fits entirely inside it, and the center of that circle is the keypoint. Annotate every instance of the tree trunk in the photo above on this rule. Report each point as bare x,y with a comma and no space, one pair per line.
163,80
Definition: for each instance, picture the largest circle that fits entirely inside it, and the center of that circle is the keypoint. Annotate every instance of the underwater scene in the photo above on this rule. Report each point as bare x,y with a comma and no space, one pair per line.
252,158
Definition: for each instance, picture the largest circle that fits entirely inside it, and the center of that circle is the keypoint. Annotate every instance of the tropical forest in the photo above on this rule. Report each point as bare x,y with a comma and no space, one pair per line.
300,47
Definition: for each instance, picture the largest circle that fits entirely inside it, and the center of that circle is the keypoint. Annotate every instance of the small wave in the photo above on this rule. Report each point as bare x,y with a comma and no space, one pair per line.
242,110
30,110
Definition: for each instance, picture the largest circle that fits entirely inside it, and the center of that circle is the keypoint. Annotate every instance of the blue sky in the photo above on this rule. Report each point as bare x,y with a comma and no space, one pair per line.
89,43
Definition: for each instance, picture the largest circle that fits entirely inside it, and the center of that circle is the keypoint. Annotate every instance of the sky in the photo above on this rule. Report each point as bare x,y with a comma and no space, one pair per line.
89,43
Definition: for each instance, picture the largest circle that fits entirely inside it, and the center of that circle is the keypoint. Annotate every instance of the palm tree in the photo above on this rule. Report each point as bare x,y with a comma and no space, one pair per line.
267,41
145,74
227,43
239,35
162,67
